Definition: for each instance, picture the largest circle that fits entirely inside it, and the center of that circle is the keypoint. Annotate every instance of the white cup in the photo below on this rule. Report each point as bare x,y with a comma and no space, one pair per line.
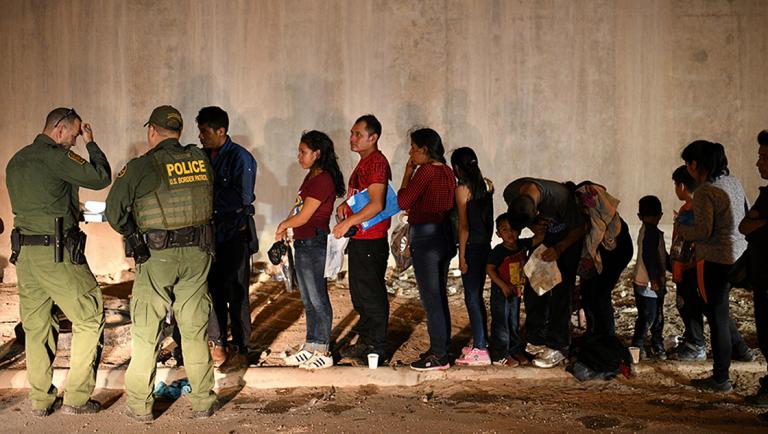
373,360
635,353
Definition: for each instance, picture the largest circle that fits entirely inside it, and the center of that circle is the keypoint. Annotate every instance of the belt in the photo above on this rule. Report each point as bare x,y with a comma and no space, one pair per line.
36,240
427,229
159,239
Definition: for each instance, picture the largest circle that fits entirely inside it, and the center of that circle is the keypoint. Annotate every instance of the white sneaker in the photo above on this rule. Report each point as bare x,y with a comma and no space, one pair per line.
318,361
535,349
296,359
548,358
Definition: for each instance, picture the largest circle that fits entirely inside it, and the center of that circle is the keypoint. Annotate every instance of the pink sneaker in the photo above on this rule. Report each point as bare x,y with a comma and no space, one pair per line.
466,350
475,357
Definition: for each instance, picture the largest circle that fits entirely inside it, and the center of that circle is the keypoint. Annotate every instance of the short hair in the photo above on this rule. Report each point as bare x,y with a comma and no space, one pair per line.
522,212
372,125
165,132
762,138
61,115
214,117
649,206
681,176
503,217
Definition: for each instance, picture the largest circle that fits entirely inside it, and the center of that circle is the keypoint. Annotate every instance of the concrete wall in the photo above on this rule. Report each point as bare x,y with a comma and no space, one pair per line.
605,90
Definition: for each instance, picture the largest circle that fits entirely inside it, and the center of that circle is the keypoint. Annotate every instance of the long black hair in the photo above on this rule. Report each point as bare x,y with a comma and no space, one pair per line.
429,138
708,156
468,173
328,161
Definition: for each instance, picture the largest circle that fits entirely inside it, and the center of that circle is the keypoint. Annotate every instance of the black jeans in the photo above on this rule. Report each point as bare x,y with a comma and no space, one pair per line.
596,291
473,281
431,251
725,337
650,315
548,317
691,308
760,293
505,324
367,266
228,284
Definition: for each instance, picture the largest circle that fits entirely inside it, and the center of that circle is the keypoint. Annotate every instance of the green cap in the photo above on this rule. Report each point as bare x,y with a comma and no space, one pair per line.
166,117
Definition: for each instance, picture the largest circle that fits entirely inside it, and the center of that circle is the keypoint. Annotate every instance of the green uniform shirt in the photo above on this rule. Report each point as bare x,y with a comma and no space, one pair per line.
139,178
43,182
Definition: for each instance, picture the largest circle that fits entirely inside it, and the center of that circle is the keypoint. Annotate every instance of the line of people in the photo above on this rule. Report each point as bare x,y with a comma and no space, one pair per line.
164,204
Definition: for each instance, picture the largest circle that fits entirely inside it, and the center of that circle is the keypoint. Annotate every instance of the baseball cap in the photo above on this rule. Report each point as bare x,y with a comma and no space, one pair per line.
166,117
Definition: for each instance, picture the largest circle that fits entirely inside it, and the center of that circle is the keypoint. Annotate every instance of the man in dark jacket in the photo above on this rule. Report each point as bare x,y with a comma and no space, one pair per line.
234,180
755,227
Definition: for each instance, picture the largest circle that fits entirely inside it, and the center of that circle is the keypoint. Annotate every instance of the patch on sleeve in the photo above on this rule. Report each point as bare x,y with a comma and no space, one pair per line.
76,158
122,171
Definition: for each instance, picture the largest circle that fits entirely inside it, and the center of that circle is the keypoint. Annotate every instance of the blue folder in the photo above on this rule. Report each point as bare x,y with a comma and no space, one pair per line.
361,199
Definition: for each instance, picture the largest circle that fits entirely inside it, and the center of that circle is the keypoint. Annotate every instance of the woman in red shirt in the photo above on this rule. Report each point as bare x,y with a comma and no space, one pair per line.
309,219
427,194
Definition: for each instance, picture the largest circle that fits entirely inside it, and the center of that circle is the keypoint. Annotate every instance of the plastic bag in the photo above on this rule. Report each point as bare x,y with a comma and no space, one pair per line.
173,390
287,270
334,255
542,275
401,243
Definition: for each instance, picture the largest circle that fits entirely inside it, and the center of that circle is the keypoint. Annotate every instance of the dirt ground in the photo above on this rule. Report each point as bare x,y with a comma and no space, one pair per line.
655,402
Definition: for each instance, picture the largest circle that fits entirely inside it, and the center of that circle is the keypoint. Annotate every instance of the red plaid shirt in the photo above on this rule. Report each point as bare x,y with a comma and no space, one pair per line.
428,198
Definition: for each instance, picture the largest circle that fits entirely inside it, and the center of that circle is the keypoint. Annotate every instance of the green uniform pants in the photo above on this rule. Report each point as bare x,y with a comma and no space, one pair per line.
174,277
73,288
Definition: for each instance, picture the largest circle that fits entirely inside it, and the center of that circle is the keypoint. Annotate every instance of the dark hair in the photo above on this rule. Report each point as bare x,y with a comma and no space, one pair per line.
681,176
328,161
708,156
504,217
522,212
762,138
214,117
61,115
427,137
372,125
649,206
469,173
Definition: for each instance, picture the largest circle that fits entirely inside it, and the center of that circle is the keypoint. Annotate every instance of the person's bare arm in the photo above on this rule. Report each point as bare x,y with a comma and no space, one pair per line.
554,252
490,269
751,223
462,198
310,206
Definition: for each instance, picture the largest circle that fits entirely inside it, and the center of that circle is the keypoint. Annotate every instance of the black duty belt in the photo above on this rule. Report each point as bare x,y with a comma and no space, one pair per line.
159,239
36,240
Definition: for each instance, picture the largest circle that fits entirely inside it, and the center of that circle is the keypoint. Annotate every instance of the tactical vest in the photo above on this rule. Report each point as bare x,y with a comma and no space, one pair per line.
184,196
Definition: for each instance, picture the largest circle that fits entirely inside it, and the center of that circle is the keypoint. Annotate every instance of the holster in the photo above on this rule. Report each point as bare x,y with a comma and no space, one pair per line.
75,245
136,248
15,245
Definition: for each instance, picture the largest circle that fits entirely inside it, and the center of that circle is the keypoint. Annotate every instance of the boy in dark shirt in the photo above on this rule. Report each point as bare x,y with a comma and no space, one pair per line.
650,278
505,268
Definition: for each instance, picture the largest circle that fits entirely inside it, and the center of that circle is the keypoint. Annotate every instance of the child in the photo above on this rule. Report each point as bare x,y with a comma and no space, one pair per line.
650,276
689,302
505,268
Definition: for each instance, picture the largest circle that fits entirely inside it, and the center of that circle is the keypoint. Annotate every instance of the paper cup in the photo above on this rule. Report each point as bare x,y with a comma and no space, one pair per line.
635,353
373,361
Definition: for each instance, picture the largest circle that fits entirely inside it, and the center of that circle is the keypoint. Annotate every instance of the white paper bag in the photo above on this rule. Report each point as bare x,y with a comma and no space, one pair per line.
542,275
334,255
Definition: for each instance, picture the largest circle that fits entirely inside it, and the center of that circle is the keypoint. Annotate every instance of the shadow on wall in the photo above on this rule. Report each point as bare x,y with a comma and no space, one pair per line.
312,103
409,117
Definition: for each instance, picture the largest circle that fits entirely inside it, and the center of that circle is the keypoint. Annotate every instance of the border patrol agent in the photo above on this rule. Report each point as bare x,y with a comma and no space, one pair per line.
43,182
164,199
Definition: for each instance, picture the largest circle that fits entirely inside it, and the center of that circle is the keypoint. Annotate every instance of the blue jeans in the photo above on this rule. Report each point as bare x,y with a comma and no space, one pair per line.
650,316
431,251
309,257
505,324
476,256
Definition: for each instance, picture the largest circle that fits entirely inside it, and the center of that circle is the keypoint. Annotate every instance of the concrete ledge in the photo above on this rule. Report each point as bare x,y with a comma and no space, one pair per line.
344,376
